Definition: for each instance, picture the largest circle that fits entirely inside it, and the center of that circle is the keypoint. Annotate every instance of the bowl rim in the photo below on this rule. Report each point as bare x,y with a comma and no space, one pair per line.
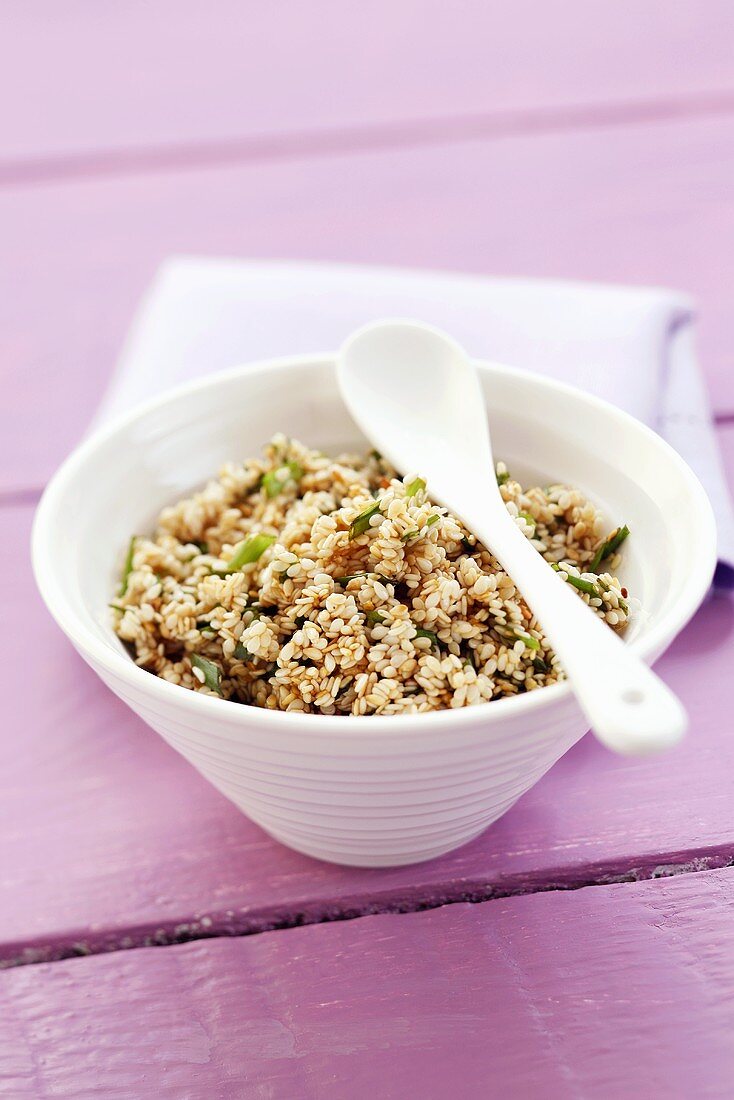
122,668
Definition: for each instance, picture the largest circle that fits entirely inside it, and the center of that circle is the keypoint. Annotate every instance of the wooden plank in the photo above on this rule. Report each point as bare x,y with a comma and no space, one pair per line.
108,838
645,204
173,73
605,992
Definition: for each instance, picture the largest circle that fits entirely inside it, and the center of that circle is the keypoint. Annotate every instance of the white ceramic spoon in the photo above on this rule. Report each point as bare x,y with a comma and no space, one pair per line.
416,395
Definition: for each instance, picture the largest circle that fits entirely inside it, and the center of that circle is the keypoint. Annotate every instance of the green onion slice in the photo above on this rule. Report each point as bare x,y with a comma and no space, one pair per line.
344,581
578,582
246,553
421,633
610,545
273,482
128,567
415,486
375,617
212,672
416,532
362,522
513,634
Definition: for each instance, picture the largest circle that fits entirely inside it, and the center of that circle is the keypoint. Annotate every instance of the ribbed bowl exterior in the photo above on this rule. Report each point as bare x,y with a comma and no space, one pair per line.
369,802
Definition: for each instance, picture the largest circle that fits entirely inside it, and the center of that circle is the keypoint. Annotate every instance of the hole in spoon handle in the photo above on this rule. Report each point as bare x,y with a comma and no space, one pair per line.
641,718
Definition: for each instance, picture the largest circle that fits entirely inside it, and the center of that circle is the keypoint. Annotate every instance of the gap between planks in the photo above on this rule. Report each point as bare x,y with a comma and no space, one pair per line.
327,142
230,924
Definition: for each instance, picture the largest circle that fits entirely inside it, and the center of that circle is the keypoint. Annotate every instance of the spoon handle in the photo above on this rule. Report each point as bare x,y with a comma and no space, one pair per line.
629,708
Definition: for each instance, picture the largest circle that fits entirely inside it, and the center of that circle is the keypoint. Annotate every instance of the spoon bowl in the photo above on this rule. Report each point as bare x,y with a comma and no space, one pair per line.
416,395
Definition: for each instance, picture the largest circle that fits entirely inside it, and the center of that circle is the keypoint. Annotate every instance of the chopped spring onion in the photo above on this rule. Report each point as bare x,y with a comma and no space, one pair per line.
362,522
529,519
606,587
610,545
375,617
246,553
540,665
128,567
421,633
203,625
212,672
578,582
416,532
503,477
273,482
415,486
241,652
344,581
512,634
116,607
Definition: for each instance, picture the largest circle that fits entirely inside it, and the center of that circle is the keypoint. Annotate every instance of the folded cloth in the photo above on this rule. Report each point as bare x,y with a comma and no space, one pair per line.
632,346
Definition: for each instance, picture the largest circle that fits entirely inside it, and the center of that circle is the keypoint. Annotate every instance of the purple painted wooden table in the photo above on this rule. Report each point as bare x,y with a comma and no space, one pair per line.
582,946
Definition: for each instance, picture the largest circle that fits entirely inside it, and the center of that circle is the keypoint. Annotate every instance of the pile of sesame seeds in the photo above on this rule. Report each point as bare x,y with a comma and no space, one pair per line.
300,582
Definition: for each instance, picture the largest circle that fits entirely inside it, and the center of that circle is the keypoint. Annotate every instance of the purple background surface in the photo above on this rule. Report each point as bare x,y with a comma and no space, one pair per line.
581,994
578,140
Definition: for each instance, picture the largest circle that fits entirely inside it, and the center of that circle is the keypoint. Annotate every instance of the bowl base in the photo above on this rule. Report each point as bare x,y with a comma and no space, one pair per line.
374,859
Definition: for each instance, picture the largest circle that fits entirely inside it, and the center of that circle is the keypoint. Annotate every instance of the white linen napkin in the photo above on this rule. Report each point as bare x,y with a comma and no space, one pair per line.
632,346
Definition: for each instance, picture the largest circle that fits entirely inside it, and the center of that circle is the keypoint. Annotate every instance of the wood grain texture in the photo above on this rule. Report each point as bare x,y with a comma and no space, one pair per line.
108,838
604,992
90,81
644,204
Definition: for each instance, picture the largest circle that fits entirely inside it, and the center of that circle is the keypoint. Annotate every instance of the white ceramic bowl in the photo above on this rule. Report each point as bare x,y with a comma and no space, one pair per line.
365,791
